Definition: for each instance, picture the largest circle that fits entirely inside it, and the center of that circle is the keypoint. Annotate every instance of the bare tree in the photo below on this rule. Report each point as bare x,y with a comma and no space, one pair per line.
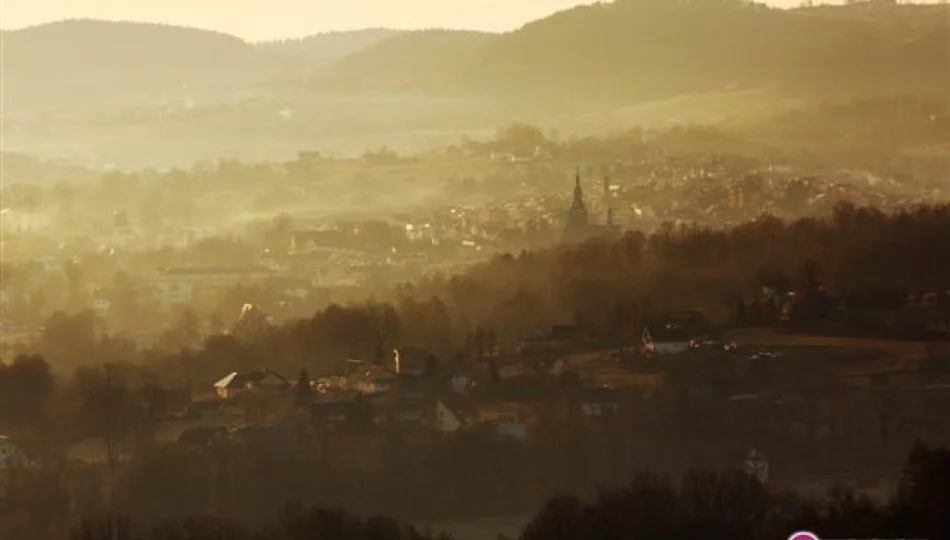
109,411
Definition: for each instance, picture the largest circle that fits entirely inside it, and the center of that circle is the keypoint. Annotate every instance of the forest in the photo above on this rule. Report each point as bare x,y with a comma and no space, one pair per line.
87,384
703,505
648,49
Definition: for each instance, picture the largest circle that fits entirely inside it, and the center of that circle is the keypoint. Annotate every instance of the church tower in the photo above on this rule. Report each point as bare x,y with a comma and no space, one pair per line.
610,226
577,225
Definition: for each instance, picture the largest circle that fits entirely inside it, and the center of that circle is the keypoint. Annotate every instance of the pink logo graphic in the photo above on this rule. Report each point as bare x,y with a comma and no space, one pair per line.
803,535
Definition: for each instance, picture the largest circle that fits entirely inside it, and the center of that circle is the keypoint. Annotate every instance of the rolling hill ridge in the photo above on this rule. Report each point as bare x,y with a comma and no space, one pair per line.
649,49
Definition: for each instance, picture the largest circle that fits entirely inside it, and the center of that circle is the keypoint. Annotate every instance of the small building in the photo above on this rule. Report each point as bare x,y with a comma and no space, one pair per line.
266,380
450,416
668,340
462,384
373,380
11,456
101,306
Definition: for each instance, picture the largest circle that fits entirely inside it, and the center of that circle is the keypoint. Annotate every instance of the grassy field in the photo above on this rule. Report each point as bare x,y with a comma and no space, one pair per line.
766,337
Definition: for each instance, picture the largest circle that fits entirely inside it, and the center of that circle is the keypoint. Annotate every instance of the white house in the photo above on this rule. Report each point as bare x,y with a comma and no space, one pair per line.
462,384
447,420
11,455
234,383
668,342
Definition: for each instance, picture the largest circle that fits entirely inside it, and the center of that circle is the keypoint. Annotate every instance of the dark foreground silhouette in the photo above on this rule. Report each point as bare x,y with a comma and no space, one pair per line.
703,505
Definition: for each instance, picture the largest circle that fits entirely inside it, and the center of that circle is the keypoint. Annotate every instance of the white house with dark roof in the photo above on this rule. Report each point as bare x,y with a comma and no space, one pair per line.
666,340
449,417
234,383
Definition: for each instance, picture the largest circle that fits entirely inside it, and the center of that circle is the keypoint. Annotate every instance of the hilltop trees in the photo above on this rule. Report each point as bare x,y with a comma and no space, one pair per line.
26,386
702,504
295,522
707,505
109,410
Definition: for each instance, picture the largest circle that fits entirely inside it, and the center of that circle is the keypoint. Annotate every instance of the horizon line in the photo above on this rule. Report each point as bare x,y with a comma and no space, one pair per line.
259,40
353,28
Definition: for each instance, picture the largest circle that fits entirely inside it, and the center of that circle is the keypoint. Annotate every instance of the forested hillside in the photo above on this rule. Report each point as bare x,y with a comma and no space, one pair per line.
652,48
327,47
81,62
420,57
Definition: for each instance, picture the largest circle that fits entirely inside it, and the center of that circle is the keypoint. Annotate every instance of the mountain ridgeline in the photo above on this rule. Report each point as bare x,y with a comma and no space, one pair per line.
650,49
75,60
629,49
78,62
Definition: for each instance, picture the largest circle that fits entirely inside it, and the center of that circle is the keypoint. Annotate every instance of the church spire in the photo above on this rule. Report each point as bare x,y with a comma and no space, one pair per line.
577,225
578,192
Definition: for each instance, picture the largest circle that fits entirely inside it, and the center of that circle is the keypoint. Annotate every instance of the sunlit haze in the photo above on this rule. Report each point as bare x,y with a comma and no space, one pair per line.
268,19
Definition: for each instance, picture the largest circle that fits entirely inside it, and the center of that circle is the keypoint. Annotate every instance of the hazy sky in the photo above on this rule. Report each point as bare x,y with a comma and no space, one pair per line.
265,19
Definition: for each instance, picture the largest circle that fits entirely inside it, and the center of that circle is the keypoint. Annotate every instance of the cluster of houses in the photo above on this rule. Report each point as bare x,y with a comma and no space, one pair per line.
409,393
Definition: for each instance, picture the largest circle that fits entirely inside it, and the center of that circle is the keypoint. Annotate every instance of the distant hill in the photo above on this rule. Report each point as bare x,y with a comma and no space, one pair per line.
652,48
327,47
78,59
412,58
108,92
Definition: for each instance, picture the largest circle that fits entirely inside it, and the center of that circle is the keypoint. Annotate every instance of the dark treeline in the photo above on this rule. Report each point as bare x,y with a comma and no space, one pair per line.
607,287
707,505
653,48
295,522
702,505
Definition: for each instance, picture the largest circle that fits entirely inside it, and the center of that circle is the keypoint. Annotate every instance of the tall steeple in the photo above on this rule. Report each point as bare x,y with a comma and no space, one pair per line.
578,192
577,226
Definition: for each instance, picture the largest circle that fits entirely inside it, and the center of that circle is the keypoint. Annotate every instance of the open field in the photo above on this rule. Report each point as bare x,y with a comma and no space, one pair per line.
766,337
